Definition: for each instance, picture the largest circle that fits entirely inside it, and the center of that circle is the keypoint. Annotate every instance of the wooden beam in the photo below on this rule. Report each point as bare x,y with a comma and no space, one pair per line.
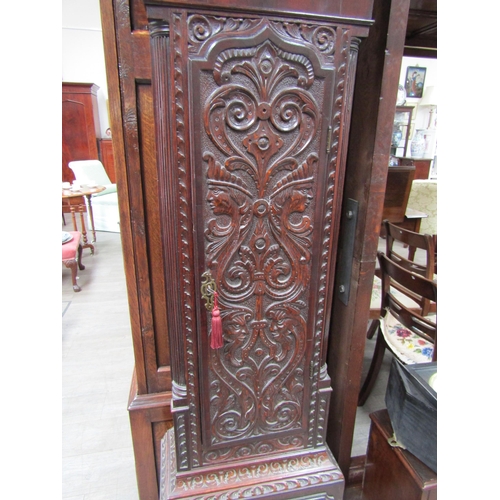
374,103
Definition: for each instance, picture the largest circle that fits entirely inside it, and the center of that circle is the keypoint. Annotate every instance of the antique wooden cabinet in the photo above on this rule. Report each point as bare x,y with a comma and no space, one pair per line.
251,114
80,125
230,132
107,159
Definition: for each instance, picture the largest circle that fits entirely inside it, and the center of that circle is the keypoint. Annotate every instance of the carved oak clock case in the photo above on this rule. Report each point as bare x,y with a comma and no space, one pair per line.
252,114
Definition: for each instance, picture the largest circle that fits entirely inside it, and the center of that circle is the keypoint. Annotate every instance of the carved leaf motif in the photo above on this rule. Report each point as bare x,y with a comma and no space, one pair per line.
260,119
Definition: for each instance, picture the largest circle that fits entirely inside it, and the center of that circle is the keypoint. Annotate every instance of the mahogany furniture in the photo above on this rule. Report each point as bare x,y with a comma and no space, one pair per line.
392,472
402,330
80,128
107,158
249,167
143,192
73,200
413,241
72,257
80,125
397,192
413,219
422,166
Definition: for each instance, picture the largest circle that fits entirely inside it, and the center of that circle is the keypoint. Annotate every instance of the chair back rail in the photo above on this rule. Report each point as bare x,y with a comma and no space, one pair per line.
397,317
413,240
392,275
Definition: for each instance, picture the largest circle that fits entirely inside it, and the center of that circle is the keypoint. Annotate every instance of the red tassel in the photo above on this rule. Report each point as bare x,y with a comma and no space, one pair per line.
216,340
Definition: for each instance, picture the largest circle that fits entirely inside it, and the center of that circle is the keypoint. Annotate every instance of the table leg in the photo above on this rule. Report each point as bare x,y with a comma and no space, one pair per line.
86,244
91,215
73,216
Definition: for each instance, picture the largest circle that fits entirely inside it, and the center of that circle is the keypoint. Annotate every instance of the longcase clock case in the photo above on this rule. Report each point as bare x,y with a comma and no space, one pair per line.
251,120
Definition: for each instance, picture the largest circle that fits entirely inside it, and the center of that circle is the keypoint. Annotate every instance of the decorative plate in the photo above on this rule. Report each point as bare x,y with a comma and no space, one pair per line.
66,237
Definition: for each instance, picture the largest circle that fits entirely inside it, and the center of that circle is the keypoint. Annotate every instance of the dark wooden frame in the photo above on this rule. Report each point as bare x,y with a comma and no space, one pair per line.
373,108
374,102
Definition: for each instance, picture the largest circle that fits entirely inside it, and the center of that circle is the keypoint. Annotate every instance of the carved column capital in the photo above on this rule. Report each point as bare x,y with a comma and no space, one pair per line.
158,27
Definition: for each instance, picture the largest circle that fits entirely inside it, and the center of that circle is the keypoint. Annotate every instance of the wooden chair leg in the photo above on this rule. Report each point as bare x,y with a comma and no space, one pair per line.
373,328
80,264
72,264
371,377
426,307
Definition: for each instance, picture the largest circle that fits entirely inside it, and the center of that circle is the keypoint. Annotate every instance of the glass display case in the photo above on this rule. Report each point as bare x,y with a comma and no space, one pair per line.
401,130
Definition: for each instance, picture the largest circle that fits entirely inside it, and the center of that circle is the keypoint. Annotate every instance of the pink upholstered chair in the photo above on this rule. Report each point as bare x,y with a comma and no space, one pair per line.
72,255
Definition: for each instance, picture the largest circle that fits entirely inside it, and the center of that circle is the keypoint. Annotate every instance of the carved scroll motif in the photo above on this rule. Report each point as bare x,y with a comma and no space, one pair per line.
202,28
261,119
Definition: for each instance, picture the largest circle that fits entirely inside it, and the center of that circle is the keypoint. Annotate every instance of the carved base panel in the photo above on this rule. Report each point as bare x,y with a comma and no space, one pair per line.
308,475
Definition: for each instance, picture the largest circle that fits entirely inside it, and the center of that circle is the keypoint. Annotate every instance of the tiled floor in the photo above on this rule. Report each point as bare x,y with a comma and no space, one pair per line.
97,364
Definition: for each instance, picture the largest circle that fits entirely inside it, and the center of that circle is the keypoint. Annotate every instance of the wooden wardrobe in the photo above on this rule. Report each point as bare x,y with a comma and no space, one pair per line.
80,125
248,162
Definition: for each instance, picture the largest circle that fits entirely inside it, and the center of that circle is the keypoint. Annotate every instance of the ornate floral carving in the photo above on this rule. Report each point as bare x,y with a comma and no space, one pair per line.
262,119
321,37
203,27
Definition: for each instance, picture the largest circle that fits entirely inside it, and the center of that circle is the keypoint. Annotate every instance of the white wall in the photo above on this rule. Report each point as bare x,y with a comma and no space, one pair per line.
83,50
83,58
421,114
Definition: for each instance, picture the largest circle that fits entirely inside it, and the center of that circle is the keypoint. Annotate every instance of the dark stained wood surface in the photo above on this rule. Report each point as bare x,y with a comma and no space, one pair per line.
397,192
421,31
128,70
128,61
359,11
374,103
252,121
394,472
107,159
422,166
80,125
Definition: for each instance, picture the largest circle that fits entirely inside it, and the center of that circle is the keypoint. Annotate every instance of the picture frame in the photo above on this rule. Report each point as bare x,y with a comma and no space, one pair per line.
415,80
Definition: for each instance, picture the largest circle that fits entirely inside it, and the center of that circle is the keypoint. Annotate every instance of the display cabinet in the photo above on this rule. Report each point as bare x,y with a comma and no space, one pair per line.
80,125
401,130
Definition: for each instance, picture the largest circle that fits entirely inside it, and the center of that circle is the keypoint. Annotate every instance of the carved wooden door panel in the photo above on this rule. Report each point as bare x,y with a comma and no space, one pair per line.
251,114
261,113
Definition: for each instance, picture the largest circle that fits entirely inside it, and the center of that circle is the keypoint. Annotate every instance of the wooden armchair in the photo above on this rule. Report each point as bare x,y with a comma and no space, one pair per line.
408,335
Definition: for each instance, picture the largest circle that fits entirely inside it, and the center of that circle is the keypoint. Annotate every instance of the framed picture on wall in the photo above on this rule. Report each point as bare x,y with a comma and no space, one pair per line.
415,78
